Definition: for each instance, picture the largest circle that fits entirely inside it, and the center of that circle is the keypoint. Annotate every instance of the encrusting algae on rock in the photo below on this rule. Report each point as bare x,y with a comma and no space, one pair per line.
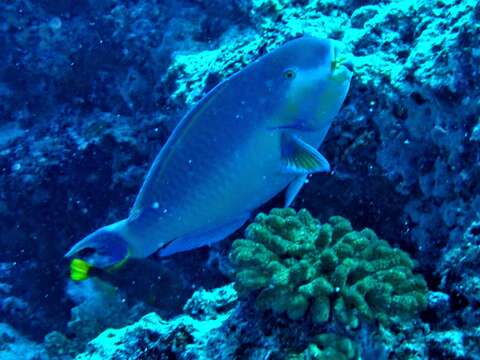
328,272
326,347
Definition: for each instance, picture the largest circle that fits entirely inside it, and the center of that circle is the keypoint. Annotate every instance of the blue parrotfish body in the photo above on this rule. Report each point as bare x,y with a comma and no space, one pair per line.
252,136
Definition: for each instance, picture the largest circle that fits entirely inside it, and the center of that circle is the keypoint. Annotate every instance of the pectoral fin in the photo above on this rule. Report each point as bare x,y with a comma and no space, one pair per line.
294,188
300,158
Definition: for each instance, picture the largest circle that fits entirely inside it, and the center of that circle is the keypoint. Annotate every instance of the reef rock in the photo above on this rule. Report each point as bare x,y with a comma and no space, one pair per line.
14,345
184,337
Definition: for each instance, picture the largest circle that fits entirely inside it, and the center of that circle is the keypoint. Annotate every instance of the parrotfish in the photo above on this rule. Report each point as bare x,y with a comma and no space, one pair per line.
252,136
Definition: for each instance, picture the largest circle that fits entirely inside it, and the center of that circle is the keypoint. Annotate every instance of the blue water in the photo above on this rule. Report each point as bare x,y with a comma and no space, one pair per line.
91,90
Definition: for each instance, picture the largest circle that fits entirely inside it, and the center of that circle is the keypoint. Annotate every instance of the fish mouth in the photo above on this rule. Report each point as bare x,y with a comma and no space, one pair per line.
340,61
342,75
348,64
342,68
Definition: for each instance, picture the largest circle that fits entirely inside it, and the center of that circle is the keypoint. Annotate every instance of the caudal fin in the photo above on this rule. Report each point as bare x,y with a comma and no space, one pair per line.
79,270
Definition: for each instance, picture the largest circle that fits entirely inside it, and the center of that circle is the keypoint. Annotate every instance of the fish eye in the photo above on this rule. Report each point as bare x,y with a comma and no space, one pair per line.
289,74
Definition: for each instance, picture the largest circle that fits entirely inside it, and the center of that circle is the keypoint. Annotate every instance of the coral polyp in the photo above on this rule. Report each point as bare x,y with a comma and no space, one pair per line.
328,272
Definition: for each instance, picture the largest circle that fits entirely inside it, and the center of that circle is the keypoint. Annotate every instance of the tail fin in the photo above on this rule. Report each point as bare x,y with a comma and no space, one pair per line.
79,270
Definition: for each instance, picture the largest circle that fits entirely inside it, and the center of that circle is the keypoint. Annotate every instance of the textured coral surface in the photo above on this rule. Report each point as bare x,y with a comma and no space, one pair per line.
331,271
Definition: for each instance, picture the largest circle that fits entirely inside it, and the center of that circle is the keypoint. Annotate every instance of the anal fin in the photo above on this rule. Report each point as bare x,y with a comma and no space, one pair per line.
203,237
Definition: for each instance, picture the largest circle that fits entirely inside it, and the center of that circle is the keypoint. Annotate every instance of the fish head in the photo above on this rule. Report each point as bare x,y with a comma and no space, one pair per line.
105,248
314,78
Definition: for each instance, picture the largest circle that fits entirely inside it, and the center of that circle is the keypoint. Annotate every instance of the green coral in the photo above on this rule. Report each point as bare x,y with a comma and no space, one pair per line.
327,347
328,272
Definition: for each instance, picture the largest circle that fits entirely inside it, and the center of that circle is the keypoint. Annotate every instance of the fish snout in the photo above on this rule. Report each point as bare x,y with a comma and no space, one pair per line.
342,67
341,62
343,71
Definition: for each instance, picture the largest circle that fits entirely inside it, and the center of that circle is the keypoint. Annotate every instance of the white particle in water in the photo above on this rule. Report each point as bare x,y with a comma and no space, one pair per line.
55,23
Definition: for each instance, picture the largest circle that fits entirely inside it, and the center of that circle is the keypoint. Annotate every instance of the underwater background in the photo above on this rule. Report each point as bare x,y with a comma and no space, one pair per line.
90,91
